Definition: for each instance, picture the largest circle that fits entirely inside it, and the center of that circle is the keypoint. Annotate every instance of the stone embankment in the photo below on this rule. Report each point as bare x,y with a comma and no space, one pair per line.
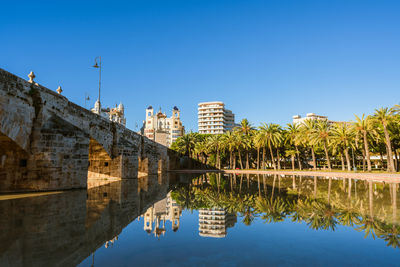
376,177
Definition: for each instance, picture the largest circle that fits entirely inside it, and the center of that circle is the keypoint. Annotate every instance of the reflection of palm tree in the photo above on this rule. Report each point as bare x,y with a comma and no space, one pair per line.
391,234
323,217
259,185
273,187
274,210
315,186
247,204
348,214
248,216
369,225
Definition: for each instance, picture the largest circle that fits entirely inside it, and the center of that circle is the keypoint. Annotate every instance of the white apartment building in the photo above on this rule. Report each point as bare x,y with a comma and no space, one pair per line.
213,118
297,119
160,128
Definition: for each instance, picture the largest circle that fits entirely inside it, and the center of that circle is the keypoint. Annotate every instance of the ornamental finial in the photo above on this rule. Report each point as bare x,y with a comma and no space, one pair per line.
31,77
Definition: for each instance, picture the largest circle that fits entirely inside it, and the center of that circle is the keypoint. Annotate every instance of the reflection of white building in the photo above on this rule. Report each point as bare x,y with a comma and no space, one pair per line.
215,222
160,128
297,119
116,114
164,210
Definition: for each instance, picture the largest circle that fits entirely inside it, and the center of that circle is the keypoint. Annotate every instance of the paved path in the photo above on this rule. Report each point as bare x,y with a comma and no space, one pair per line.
378,177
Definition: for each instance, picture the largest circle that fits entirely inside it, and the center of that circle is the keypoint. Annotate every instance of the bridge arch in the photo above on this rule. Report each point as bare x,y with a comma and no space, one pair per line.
100,165
14,162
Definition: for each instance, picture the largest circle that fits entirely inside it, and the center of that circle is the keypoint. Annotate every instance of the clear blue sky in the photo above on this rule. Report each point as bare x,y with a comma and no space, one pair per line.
267,60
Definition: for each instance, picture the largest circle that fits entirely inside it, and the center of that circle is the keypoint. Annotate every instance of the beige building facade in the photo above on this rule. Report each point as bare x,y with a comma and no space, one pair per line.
116,114
214,118
162,129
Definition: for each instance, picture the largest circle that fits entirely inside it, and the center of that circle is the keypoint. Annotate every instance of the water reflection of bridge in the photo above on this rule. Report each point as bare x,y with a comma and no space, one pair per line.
64,229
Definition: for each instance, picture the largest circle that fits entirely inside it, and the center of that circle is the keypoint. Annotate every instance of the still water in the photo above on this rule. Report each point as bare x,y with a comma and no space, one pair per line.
206,220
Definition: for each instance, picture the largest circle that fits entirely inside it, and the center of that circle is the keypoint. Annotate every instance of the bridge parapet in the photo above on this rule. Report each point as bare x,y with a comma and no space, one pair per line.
50,143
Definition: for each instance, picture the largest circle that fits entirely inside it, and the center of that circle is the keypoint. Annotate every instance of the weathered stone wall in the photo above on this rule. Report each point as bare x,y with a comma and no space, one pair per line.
49,143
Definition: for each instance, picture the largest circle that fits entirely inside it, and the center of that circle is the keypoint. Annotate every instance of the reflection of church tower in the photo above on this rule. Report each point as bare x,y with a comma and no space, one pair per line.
156,216
215,222
148,220
174,212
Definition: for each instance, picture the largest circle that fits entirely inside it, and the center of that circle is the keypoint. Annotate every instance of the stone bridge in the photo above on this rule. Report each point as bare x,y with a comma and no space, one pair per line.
50,143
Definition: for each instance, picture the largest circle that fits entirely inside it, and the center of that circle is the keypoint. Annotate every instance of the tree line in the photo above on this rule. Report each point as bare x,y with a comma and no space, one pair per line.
312,144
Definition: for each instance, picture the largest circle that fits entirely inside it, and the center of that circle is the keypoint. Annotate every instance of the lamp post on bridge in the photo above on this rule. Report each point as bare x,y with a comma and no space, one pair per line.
99,67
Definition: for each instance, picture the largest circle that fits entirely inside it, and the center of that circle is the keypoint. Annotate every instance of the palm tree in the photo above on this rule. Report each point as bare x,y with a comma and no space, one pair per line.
240,145
189,141
308,128
272,136
259,142
245,127
322,135
342,134
293,137
292,153
230,140
383,116
363,126
215,142
202,148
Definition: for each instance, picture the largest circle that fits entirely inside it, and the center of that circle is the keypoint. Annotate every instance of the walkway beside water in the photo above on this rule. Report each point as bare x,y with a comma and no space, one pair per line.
376,177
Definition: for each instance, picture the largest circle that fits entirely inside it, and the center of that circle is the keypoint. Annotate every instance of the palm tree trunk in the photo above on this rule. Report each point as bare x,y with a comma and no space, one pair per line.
397,159
382,162
278,160
342,160
234,160
366,148
247,160
230,159
292,156
258,158
389,150
272,157
240,160
219,159
363,161
327,156
263,157
313,158
346,152
298,158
